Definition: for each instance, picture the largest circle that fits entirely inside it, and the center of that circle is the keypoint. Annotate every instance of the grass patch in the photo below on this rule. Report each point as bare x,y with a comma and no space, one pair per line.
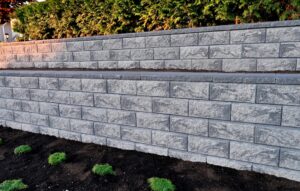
22,149
161,184
103,170
12,185
57,158
1,141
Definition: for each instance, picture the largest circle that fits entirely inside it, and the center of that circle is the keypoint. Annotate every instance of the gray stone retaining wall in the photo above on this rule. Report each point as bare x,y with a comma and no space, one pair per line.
241,121
263,47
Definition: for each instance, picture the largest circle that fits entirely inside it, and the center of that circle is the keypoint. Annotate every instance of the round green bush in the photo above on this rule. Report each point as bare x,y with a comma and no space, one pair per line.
103,169
57,158
12,185
22,149
161,184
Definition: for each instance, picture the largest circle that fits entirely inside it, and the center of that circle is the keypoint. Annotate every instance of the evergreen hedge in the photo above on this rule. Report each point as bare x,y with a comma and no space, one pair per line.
77,18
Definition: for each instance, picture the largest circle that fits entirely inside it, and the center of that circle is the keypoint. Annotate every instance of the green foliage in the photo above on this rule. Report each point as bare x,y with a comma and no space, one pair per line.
1,141
103,170
12,185
76,18
161,184
22,149
57,158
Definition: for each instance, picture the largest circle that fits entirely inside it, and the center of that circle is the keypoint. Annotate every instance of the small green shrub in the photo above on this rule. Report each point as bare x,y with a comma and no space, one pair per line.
22,149
161,184
12,185
57,158
1,141
103,169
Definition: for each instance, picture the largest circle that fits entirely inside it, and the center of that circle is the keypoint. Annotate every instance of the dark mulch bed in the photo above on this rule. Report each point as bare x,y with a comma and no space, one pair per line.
133,169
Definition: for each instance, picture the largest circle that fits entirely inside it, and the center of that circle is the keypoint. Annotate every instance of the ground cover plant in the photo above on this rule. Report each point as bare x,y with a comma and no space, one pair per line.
161,184
103,169
22,149
12,185
1,141
57,158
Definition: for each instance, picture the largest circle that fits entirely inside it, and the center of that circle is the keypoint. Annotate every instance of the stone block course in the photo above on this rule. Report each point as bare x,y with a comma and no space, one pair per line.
194,90
261,50
290,159
169,140
170,106
136,135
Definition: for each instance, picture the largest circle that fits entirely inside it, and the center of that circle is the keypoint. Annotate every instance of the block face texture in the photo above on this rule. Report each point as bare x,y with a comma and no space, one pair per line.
291,116
225,51
82,56
70,111
75,46
166,53
121,117
153,88
13,82
49,131
107,130
209,109
121,86
278,136
207,64
283,34
69,135
184,39
236,65
208,146
187,125
38,119
169,140
6,114
290,50
88,65
256,113
30,106
125,145
49,108
170,106
247,36
275,94
158,41
20,93
94,85
94,114
81,98
30,128
108,101
81,126
137,42
187,156
6,92
142,54
14,104
210,38
59,96
153,121
229,163
254,153
232,92
128,64
69,84
193,52
290,159
136,103
112,44
29,82
38,95
178,64
276,64
59,123
151,149
93,45
44,47
93,139
100,55
136,134
261,50
120,54
107,64
151,64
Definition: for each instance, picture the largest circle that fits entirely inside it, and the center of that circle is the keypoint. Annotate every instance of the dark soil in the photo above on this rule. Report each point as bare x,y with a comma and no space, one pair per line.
133,169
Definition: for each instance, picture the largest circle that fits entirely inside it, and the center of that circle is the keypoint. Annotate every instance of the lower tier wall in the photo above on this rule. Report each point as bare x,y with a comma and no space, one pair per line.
241,121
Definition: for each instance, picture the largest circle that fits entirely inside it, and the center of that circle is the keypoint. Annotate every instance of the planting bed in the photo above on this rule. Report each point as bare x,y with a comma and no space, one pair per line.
132,169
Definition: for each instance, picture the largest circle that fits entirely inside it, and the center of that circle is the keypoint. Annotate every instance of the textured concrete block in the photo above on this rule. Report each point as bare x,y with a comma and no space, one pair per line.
170,106
2,103
153,88
158,41
178,64
236,65
94,85
189,125
59,123
93,139
233,92
151,149
209,38
238,165
125,145
283,34
225,51
275,94
112,44
260,50
100,55
59,96
254,153
142,54
32,48
75,46
88,65
128,64
57,57
49,108
153,121
30,106
256,113
278,136
81,126
184,39
38,95
207,64
49,131
137,42
276,65
290,159
195,90
166,53
69,84
94,114
136,103
44,47
93,45
151,64
6,114
38,119
69,135
122,86
13,82
187,156
121,117
290,50
14,125
208,146
247,36
29,82
81,98
108,101
107,130
14,104
20,93
291,116
107,64
136,134
231,131
81,56
33,57
209,109
70,111
58,65
169,140
2,81
194,52
120,54
40,65
58,47
6,92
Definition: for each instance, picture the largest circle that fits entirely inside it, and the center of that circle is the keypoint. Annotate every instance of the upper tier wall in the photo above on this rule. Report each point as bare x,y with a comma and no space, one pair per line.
262,47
